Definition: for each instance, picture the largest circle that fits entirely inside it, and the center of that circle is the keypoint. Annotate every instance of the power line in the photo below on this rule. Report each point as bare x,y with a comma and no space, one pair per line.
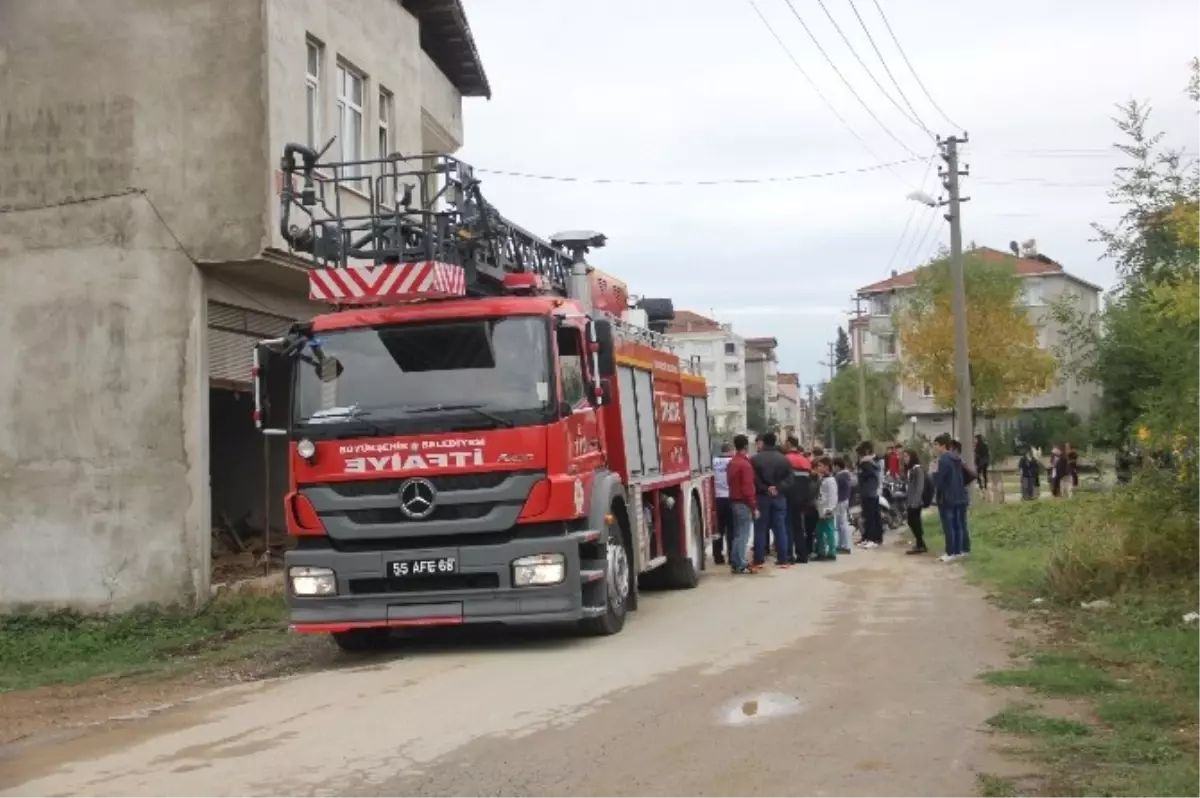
911,69
919,244
886,68
911,214
838,72
699,182
866,69
821,94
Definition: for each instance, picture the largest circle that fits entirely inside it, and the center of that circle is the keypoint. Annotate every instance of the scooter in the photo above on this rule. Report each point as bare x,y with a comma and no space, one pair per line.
892,502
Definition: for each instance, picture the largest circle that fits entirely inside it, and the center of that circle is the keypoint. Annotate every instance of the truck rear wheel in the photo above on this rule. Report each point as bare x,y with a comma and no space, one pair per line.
617,581
683,573
356,641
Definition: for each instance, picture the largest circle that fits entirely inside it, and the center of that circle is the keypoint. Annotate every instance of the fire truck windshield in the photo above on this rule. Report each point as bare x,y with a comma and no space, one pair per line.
462,374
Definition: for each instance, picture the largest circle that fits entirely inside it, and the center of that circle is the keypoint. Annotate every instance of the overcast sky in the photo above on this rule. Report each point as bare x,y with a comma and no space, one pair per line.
698,89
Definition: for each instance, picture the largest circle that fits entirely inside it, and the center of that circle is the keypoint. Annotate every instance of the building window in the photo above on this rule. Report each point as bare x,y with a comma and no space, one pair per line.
881,305
1031,294
731,349
312,88
384,130
927,390
350,117
733,393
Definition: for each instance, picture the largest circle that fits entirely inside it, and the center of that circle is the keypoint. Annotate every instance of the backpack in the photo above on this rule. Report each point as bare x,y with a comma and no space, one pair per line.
927,492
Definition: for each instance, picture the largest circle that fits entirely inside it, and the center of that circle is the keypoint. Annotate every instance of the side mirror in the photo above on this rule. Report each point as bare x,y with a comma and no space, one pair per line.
272,387
328,367
606,356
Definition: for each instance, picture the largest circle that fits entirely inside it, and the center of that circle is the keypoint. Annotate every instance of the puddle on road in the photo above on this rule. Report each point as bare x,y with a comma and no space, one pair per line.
759,708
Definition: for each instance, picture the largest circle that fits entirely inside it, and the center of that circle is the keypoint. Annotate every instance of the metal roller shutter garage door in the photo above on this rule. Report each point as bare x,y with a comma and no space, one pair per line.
232,333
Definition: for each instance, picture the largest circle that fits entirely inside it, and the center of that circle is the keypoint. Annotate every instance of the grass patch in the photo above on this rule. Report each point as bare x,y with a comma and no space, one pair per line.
1056,674
1025,721
1132,663
996,787
67,648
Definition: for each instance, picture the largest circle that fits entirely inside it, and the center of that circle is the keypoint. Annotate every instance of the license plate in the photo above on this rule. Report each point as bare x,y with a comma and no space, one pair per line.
430,566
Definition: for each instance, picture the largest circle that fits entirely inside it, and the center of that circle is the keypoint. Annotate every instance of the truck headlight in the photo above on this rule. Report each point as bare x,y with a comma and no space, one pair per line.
309,581
306,448
539,569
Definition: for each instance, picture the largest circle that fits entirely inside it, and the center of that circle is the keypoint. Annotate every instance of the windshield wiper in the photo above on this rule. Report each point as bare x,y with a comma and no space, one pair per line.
478,409
345,415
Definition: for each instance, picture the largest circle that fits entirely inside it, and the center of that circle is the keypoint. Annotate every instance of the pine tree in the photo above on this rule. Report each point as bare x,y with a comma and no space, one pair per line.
841,352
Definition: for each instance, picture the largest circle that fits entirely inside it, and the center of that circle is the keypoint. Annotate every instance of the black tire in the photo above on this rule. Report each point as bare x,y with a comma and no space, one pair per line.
684,573
618,584
358,641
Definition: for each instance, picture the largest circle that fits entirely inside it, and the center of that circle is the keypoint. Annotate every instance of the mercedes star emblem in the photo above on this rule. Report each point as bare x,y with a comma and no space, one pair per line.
418,497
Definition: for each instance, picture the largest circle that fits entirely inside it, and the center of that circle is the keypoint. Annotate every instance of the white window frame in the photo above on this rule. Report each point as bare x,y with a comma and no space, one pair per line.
1032,293
384,142
926,390
314,52
881,305
346,107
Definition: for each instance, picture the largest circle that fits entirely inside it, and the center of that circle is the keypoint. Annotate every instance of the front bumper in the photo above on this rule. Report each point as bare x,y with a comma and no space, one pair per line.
480,592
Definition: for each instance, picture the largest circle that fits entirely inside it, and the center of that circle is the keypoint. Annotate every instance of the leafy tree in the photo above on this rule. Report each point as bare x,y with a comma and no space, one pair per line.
841,350
1142,350
840,398
1007,365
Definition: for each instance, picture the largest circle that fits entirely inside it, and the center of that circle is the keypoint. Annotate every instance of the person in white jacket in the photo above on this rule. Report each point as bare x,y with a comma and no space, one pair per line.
827,502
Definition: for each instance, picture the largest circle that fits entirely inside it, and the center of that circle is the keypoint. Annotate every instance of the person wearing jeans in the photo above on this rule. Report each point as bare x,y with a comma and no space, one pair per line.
772,480
841,514
742,503
952,498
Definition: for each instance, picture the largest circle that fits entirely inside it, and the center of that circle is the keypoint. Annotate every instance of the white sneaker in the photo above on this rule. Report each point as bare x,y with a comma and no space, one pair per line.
946,558
870,544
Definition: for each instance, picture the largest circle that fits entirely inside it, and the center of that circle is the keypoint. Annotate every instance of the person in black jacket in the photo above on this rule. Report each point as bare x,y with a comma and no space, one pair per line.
772,479
868,496
983,460
1031,475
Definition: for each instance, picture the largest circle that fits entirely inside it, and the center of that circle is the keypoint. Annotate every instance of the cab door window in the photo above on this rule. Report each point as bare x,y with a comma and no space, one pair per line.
570,365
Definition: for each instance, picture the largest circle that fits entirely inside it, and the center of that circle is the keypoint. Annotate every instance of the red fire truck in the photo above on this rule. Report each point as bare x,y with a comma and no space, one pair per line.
484,429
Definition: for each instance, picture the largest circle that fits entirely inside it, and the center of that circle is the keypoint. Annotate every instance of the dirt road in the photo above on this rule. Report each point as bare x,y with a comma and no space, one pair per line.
848,678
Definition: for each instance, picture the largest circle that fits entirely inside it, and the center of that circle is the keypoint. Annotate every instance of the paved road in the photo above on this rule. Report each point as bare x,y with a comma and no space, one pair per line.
847,678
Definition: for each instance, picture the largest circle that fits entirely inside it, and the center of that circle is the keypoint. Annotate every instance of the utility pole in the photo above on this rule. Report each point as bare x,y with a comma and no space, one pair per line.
864,432
831,442
810,420
965,418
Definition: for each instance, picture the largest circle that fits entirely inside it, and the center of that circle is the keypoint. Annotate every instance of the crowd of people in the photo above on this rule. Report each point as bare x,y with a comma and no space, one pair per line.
1062,472
795,504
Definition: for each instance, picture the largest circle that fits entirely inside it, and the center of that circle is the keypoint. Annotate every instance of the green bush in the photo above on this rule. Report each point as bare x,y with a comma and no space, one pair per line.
1143,534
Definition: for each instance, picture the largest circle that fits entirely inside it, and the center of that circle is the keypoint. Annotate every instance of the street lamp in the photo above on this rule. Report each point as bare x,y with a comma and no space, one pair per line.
913,421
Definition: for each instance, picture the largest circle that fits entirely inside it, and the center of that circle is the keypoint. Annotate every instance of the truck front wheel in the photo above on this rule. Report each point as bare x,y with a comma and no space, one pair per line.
617,581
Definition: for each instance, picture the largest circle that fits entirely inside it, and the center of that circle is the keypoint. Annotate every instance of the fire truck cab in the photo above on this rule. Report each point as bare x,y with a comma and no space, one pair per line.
483,430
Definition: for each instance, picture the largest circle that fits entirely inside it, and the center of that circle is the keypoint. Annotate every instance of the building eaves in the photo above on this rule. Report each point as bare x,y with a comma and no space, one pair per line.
687,321
1026,267
446,38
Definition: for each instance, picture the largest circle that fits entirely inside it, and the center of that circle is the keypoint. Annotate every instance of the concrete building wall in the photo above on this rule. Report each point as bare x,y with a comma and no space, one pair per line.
103,416
165,97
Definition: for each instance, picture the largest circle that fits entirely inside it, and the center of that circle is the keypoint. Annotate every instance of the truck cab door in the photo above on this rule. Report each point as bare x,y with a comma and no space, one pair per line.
574,375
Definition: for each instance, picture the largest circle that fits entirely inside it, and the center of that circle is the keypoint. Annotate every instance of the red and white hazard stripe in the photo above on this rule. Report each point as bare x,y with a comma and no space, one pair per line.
399,282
